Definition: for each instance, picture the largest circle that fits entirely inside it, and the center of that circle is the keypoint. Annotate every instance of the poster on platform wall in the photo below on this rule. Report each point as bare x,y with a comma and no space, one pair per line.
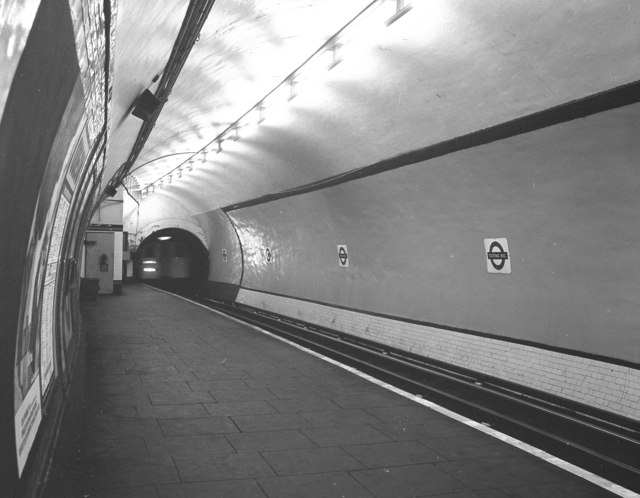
27,421
36,324
27,393
35,353
49,293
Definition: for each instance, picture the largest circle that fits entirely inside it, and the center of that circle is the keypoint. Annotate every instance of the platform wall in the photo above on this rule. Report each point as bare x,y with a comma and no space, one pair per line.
564,197
51,136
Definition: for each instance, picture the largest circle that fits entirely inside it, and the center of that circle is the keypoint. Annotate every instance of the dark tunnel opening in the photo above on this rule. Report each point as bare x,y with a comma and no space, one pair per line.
173,259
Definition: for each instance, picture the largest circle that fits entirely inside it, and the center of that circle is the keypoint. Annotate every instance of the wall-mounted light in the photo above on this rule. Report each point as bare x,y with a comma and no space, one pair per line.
164,237
149,270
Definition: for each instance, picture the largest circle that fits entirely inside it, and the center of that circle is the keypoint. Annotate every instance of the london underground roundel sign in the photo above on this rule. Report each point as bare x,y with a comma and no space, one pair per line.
497,255
343,256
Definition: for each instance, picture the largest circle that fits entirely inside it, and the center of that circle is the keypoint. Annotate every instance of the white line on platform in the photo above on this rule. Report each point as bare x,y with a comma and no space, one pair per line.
558,462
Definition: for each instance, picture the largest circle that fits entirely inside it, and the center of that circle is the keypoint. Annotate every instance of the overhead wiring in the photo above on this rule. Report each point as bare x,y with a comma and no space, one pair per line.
195,17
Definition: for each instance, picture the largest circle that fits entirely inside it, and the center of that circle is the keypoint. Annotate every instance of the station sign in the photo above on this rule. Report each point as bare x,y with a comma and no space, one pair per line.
343,256
269,255
497,254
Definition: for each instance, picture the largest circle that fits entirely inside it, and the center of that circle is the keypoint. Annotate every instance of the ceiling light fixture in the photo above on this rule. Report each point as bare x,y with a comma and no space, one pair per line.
401,9
335,56
331,45
261,108
292,89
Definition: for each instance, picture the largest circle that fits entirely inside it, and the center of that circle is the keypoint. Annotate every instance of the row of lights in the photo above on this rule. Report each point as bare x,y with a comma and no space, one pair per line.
232,132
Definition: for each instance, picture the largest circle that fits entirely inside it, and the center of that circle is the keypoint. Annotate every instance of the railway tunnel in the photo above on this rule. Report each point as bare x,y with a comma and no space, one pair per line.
453,183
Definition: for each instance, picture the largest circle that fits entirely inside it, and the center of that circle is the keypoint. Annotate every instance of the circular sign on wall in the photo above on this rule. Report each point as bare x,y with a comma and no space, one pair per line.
343,256
268,254
497,253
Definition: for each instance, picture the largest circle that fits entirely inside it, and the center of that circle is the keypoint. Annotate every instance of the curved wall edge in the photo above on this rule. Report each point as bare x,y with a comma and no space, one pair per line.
225,255
186,225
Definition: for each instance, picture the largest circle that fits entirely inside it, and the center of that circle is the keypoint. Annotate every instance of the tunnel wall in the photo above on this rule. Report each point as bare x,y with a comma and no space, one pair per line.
225,255
174,259
564,321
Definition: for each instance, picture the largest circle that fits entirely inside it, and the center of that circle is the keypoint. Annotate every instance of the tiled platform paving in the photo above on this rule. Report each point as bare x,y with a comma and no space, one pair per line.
182,402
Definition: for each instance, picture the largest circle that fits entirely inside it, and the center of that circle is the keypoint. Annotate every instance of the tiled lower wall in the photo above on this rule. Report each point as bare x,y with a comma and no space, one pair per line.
599,384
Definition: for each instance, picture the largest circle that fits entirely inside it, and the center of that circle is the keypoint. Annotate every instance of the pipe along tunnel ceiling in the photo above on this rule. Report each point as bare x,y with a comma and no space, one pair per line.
276,96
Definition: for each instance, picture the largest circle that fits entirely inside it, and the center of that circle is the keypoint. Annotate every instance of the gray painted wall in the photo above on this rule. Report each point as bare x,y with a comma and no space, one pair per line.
565,197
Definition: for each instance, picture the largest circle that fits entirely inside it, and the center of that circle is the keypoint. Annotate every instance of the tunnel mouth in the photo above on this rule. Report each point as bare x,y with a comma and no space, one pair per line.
173,259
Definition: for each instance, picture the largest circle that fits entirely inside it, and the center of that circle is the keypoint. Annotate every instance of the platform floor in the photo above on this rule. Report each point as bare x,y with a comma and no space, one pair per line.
183,402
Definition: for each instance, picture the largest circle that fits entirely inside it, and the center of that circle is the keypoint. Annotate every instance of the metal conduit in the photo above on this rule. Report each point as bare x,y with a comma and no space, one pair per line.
195,17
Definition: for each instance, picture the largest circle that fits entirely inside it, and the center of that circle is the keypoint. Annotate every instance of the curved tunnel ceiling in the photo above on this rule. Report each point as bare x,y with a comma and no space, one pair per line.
444,69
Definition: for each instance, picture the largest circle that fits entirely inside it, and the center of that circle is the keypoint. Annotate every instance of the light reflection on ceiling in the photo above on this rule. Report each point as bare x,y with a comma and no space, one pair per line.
244,52
444,69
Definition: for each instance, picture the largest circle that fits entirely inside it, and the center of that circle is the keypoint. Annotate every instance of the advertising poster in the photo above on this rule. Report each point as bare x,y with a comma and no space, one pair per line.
27,420
36,326
48,297
27,393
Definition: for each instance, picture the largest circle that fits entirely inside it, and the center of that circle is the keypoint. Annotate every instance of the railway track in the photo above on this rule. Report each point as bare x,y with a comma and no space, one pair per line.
603,444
